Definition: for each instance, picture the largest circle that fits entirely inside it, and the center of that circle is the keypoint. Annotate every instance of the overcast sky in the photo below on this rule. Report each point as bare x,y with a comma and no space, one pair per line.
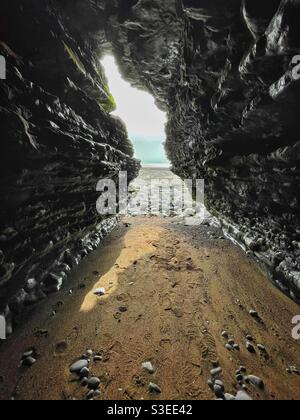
145,122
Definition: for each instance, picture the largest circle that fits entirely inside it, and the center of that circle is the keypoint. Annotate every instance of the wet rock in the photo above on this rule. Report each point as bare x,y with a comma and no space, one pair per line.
255,381
216,372
93,383
100,291
78,366
229,397
219,389
250,347
29,361
154,389
148,367
225,335
262,348
243,396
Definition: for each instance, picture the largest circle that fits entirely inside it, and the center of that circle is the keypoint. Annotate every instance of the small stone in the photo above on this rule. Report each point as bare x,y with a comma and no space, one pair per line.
84,373
219,391
216,372
236,347
262,348
220,384
100,292
93,383
78,366
97,393
294,370
243,396
229,347
229,397
29,361
254,314
242,369
239,378
123,309
225,335
89,353
148,367
250,347
255,381
90,395
231,342
97,358
154,389
210,384
249,338
27,354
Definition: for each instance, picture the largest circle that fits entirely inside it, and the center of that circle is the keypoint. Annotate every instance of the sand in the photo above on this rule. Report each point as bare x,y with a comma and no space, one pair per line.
170,292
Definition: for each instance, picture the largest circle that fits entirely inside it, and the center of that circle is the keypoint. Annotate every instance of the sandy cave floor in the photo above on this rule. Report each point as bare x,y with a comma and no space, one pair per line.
170,292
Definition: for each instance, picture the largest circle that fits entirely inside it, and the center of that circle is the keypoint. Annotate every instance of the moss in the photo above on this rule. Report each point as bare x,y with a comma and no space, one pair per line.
74,57
109,105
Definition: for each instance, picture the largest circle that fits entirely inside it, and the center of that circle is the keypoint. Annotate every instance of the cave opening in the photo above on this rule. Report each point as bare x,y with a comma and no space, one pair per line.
144,121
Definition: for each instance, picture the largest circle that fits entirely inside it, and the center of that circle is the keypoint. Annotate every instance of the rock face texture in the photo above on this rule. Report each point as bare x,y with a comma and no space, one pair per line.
57,141
224,71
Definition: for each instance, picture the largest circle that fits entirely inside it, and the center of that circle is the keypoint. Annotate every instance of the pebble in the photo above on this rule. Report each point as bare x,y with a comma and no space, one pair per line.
100,292
93,383
236,347
249,338
250,347
243,396
27,354
89,353
229,397
84,373
29,361
210,384
239,378
153,388
90,395
262,348
78,366
229,347
255,381
293,369
225,334
219,391
216,372
220,384
97,358
242,369
231,342
148,367
97,393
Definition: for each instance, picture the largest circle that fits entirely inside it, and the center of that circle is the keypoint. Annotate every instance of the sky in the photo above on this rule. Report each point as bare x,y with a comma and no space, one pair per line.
145,122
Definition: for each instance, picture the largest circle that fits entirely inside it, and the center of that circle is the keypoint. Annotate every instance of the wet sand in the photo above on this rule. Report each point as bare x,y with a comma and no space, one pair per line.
170,292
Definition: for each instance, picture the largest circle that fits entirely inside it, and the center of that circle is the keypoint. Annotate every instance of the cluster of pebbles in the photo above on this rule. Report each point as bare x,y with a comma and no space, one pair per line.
216,384
231,345
81,369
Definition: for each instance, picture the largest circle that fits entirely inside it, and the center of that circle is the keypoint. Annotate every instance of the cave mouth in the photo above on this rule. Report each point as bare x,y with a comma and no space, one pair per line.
144,121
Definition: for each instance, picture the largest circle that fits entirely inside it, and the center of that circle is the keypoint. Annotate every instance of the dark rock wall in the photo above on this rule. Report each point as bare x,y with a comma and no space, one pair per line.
223,71
57,141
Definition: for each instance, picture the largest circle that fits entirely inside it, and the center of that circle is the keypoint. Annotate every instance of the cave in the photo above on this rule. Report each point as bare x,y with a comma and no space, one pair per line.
224,74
